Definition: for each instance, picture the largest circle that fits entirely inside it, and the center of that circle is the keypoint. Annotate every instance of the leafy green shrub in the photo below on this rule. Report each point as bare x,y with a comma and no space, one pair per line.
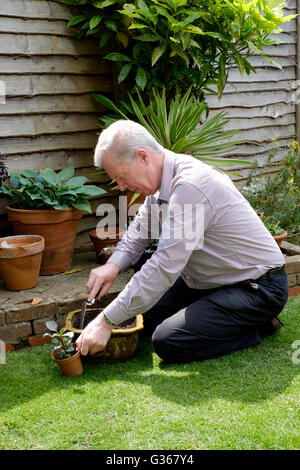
180,43
50,190
278,198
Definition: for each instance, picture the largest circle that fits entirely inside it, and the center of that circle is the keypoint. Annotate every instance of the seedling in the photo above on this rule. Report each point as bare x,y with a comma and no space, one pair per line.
61,339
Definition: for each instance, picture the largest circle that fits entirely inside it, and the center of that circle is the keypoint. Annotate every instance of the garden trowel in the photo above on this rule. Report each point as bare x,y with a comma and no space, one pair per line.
85,304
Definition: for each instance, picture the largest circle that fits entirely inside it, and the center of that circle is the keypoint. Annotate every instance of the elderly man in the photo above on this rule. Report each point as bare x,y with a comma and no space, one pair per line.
216,283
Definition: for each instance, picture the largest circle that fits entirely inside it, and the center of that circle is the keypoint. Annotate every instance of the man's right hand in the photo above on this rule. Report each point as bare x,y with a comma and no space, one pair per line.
101,279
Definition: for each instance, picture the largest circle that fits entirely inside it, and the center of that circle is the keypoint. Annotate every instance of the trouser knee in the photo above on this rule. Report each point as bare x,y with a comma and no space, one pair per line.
160,341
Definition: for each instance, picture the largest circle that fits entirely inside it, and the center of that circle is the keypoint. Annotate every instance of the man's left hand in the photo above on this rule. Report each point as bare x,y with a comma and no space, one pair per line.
94,337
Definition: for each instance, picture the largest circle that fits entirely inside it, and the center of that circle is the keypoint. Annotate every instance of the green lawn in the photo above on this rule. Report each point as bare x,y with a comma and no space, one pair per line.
246,400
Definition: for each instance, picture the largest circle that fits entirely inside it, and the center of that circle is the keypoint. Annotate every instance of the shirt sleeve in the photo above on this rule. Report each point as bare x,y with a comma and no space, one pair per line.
135,240
183,224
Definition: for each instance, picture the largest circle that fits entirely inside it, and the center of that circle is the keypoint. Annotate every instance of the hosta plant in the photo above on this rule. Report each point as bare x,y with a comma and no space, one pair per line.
50,190
61,340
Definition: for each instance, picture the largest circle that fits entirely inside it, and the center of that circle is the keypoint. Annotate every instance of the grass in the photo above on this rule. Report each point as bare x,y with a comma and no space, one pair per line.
245,400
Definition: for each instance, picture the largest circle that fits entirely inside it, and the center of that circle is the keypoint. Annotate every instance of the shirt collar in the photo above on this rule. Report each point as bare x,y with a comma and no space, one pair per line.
163,194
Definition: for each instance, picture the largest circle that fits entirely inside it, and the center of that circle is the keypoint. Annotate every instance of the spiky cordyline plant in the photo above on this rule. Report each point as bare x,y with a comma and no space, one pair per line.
179,126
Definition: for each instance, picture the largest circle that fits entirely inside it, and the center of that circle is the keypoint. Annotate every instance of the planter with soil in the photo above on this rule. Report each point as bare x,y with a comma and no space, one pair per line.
124,338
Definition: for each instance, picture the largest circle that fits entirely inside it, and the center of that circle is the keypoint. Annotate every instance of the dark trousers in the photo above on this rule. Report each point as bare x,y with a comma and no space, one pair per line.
193,324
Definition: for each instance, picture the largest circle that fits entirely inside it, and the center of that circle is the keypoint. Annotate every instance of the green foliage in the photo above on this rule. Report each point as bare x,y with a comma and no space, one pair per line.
278,198
175,125
61,340
180,43
50,190
274,228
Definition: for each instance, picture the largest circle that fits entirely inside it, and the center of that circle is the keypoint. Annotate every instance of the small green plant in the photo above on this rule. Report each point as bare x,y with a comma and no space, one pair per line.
278,198
50,190
273,227
61,340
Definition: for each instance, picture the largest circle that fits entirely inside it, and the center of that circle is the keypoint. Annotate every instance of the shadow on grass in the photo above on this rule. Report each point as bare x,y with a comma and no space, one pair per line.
249,376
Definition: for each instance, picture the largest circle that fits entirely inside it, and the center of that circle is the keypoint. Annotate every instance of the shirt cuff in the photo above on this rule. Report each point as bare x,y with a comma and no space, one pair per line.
121,260
114,314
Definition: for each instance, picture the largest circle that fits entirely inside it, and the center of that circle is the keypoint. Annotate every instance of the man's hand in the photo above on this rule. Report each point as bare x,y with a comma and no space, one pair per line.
101,279
94,337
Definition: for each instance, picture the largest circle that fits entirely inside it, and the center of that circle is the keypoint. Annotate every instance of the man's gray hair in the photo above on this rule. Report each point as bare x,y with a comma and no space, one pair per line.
123,138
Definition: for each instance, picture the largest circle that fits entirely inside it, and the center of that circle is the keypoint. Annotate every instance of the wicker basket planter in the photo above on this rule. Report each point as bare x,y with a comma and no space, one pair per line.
123,342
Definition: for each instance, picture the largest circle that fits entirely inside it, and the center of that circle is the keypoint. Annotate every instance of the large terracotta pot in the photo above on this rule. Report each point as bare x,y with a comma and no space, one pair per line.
59,229
20,261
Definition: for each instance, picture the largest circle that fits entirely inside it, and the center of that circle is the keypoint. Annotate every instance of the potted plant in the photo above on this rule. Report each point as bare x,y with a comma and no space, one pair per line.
277,197
276,231
49,204
64,352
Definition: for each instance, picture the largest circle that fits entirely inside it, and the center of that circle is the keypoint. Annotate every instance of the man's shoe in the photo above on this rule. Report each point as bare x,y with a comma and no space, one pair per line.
270,327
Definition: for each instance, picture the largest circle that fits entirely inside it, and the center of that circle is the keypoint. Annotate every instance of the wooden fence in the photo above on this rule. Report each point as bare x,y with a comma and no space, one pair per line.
48,118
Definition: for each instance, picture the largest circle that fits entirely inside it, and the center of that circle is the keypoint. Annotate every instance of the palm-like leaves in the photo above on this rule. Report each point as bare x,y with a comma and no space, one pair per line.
177,126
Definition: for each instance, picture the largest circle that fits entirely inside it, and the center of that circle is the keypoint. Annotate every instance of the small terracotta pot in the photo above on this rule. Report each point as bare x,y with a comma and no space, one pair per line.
280,238
20,265
108,237
59,229
71,366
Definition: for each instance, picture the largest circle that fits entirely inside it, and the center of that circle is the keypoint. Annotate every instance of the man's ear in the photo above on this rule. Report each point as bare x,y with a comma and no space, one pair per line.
142,154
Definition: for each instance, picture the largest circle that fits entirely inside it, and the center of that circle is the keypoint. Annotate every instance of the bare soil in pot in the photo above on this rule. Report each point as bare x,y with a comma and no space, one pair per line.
91,314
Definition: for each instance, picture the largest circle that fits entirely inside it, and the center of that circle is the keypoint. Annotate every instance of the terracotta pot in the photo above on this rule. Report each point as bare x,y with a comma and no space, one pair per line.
106,238
59,229
20,265
71,366
123,342
280,238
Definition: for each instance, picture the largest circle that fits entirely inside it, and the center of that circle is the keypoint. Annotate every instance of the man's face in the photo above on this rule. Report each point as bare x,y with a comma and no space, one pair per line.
139,176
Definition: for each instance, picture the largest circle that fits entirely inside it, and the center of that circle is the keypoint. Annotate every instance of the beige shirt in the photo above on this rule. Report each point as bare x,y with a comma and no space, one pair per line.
235,244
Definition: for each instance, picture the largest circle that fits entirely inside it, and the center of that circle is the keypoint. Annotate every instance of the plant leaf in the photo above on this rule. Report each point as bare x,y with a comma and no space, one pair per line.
157,53
51,325
75,20
124,72
141,78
